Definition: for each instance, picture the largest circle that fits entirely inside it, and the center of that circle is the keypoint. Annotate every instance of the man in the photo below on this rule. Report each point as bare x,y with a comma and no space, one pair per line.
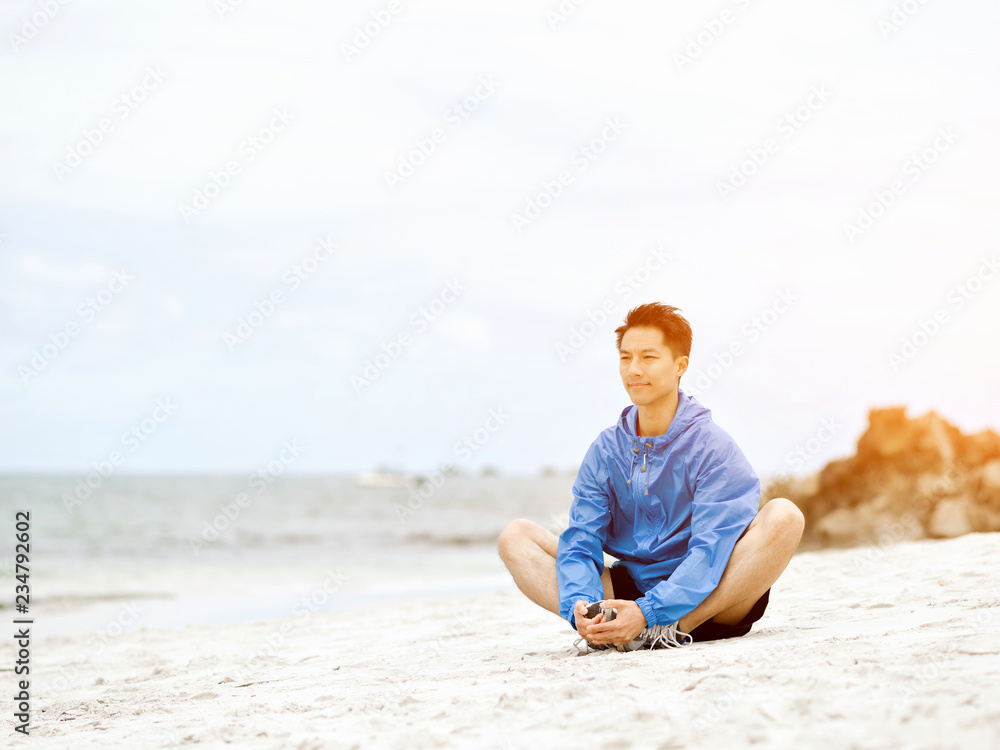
670,495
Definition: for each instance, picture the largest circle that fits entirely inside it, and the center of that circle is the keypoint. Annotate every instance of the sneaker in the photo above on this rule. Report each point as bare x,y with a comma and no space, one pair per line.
592,611
583,646
658,636
595,608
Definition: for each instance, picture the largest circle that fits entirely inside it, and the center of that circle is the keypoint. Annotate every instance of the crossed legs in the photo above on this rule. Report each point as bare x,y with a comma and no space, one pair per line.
759,557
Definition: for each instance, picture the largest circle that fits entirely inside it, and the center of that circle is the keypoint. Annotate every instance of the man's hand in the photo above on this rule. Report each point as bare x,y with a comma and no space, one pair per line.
625,627
581,620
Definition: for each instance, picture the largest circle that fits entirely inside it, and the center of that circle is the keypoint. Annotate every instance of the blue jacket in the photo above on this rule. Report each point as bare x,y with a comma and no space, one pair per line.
676,540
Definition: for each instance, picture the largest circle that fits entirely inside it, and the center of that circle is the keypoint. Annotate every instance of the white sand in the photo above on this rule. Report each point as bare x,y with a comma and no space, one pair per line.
861,648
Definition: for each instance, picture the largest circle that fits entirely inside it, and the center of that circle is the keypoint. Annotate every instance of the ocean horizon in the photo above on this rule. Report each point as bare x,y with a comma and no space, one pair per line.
183,550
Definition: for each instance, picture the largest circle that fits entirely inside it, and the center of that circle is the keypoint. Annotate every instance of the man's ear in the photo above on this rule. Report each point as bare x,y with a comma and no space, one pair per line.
682,365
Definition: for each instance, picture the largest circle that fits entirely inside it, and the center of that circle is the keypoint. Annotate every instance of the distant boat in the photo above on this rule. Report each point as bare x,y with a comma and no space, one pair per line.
381,478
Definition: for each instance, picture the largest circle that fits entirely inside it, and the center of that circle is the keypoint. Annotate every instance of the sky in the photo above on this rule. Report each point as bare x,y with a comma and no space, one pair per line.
402,233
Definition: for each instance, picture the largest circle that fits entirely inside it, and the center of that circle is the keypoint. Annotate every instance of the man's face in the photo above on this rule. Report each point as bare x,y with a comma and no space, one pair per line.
649,371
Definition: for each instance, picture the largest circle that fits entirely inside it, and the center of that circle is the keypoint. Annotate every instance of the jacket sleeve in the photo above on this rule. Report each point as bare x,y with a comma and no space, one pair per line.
580,559
725,500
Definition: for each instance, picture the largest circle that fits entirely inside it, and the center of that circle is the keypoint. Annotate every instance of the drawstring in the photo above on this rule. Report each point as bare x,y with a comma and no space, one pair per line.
644,447
642,470
632,470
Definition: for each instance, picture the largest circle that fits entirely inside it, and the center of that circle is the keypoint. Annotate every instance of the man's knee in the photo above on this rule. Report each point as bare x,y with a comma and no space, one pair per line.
515,533
785,519
521,531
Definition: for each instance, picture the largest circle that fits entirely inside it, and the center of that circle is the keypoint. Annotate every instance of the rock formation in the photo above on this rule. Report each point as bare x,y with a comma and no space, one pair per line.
910,479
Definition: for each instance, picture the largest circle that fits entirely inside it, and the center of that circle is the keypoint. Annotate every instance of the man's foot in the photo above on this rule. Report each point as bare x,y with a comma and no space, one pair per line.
592,611
658,636
583,646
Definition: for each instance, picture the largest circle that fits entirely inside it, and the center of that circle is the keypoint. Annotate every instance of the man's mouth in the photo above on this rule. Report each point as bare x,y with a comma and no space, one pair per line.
637,385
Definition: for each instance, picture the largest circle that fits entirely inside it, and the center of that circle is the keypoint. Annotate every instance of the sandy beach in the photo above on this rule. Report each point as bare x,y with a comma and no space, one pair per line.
860,648
303,303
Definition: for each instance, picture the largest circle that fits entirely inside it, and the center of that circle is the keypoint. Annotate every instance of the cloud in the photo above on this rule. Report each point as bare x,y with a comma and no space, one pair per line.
36,268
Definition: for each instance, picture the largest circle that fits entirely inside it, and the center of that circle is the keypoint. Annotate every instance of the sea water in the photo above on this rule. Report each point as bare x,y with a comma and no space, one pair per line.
169,551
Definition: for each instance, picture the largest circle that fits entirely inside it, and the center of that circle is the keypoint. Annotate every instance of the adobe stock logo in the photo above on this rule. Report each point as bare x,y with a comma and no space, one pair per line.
710,32
957,298
31,25
914,168
464,449
454,118
561,13
121,108
419,321
59,340
219,179
293,278
366,33
225,7
700,381
626,286
900,16
787,126
582,158
134,438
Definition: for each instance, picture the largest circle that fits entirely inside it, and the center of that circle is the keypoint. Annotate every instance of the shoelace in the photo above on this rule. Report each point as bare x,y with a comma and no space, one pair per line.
589,647
667,635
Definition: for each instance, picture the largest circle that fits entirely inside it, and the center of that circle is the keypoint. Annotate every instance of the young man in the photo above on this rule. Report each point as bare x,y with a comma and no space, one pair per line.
670,495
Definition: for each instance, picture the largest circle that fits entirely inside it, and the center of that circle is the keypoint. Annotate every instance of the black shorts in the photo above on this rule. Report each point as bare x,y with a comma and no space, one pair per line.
625,588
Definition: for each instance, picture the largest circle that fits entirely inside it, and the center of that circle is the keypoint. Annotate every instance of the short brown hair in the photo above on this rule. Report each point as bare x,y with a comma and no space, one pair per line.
676,330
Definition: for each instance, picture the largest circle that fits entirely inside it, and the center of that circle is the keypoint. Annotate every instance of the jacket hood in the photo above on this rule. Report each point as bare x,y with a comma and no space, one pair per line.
689,411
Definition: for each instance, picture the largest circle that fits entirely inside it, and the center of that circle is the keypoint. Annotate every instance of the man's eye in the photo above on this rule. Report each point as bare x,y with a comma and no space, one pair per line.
650,356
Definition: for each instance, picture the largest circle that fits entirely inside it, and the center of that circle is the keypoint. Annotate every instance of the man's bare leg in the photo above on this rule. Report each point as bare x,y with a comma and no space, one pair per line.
529,552
758,558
